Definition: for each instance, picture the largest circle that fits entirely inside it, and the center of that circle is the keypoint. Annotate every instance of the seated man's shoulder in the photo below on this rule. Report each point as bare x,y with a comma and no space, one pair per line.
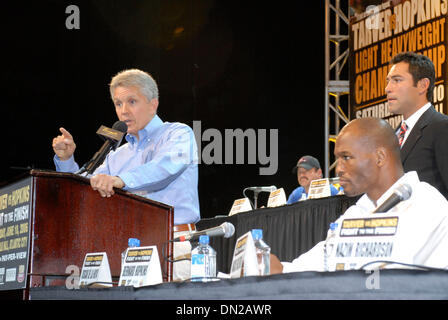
298,190
295,195
429,195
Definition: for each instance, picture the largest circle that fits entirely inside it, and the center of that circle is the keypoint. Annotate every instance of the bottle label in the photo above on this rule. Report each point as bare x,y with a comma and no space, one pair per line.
201,266
197,266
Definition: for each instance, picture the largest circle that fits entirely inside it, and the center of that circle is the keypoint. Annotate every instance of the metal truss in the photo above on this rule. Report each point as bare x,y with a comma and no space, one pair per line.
336,75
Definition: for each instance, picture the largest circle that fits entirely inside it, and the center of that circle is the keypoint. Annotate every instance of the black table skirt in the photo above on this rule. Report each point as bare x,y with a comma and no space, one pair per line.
289,230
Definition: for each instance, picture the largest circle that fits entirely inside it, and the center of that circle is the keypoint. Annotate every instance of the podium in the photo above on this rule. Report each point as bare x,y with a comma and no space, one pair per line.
68,219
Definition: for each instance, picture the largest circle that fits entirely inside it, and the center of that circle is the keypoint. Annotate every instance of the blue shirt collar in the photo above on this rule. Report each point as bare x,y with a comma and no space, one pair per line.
147,131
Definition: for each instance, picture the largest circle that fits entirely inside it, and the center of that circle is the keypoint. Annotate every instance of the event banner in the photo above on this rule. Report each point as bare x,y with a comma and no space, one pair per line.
15,220
381,29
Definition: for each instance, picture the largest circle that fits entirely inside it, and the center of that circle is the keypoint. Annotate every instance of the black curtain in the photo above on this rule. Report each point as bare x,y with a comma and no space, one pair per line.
289,230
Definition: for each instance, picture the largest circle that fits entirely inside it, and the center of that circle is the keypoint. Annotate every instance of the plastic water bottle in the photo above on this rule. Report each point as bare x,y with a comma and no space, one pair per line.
203,261
263,252
329,245
132,243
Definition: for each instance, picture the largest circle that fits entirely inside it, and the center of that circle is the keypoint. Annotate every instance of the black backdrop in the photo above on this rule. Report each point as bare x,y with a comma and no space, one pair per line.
228,64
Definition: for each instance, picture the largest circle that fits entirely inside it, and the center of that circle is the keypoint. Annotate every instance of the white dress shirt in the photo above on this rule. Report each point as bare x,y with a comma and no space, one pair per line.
422,234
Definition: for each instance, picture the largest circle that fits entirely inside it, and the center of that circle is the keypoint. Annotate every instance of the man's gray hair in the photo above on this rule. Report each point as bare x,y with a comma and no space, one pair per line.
135,78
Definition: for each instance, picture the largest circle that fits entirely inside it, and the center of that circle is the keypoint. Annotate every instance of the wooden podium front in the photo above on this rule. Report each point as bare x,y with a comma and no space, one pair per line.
69,219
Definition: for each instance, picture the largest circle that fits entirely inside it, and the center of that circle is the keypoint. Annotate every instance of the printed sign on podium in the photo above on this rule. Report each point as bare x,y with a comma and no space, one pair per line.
277,198
141,267
95,269
15,221
240,205
244,262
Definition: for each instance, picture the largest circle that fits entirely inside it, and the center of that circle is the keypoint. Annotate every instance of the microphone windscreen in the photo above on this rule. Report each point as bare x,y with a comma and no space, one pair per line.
404,191
120,126
229,229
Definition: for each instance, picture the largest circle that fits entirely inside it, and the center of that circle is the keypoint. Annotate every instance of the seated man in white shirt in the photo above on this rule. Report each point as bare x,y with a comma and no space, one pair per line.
368,162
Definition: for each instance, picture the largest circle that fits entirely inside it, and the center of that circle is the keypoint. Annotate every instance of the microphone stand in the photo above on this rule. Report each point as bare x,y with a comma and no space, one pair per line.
83,168
256,191
256,199
97,159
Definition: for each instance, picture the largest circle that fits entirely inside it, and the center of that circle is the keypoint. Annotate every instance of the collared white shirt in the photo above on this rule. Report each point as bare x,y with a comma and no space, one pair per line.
423,236
412,120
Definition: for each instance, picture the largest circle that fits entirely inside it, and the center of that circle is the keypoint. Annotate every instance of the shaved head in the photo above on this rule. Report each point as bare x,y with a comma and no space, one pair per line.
373,133
368,157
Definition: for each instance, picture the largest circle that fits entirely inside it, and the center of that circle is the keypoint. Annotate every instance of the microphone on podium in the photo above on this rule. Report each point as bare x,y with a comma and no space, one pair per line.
401,193
226,229
113,139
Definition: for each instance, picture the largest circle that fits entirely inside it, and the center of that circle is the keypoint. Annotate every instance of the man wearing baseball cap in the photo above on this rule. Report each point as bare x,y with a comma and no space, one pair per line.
307,170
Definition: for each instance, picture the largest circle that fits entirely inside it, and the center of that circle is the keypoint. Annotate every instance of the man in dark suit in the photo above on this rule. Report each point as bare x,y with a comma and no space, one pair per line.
423,134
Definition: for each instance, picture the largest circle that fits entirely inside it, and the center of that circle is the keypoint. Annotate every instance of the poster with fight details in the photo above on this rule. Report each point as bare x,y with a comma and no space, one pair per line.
15,221
381,29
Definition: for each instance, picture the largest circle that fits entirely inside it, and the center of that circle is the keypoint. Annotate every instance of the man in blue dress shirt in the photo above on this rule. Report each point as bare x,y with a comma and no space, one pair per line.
159,162
307,169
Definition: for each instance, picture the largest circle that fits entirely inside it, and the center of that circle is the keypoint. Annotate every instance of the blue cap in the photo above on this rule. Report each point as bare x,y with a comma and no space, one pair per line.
133,242
257,234
204,239
333,225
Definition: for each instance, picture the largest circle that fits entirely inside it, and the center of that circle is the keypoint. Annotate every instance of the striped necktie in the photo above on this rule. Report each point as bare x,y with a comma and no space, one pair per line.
402,132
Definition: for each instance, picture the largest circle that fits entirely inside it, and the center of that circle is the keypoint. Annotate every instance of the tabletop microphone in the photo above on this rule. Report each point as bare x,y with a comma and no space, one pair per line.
113,139
401,193
226,229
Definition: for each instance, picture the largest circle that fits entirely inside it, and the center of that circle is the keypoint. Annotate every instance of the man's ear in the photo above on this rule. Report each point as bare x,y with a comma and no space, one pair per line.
423,85
154,104
319,172
381,156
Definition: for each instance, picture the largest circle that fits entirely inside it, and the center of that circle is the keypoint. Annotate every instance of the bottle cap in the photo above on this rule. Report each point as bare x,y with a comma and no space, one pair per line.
204,239
257,234
333,226
133,242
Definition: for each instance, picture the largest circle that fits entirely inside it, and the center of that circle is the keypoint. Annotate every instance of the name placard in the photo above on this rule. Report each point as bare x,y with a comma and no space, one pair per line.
244,262
240,205
141,267
277,198
362,240
96,269
319,188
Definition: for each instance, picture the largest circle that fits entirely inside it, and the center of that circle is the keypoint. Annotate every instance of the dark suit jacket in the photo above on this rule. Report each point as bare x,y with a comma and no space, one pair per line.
426,150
